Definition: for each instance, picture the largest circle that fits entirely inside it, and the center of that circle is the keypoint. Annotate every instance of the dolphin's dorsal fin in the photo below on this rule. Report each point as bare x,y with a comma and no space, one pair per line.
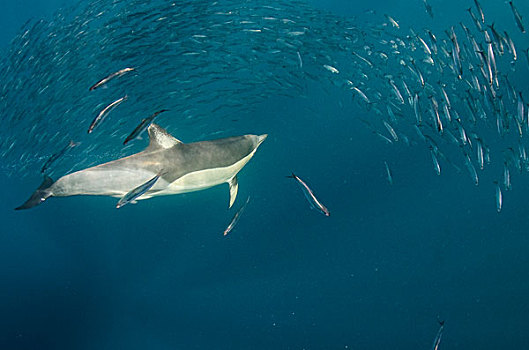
234,187
160,138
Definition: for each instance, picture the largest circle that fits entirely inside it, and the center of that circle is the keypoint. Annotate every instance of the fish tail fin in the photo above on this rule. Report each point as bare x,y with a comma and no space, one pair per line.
40,195
293,176
73,144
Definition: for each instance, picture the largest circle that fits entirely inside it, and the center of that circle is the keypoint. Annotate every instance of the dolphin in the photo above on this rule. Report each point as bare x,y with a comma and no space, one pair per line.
182,167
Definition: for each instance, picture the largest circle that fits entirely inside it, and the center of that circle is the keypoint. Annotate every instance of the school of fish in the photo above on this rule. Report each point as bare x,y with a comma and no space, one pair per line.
455,93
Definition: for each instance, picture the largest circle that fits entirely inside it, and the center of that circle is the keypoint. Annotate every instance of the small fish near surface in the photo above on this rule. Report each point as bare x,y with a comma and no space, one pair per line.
428,8
236,218
104,112
109,77
389,176
58,155
166,167
142,126
136,192
499,197
438,336
309,194
517,17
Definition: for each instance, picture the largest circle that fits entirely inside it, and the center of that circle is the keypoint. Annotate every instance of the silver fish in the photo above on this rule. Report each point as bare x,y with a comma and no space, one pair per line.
472,170
361,94
111,76
428,8
479,150
437,339
142,126
499,197
331,69
480,11
58,155
388,173
475,20
136,192
391,130
511,46
435,114
506,177
236,218
300,61
426,48
517,17
416,109
396,92
392,21
104,112
311,198
435,160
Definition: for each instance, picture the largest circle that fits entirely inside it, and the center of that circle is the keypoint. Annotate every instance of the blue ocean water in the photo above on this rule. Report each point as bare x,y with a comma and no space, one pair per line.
389,262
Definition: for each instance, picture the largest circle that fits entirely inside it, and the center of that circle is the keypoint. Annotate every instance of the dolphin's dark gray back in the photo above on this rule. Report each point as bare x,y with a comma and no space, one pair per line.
184,158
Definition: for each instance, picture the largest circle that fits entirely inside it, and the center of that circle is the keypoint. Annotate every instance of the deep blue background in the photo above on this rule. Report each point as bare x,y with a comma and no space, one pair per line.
76,274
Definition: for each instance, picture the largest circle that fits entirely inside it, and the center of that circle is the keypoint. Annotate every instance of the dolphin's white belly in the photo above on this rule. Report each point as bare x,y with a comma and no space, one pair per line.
202,179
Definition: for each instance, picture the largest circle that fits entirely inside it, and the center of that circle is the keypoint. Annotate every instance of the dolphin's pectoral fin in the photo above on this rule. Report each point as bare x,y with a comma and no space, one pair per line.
234,187
160,138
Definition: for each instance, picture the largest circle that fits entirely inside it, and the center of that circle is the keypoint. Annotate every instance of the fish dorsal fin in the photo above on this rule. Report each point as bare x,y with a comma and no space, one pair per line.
160,138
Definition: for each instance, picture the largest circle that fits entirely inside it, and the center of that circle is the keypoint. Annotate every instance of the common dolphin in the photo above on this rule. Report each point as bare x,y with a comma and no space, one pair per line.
184,167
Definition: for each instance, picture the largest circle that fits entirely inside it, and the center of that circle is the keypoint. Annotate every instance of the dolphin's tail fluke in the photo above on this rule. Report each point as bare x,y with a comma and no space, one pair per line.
39,196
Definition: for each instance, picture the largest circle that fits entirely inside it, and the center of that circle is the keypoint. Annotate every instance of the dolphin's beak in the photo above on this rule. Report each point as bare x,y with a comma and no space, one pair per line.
261,139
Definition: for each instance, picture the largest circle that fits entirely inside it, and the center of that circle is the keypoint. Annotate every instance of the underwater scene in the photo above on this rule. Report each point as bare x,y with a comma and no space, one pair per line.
264,174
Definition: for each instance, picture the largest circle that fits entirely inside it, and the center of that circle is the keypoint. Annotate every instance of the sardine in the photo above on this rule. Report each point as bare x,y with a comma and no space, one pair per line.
435,160
142,126
517,17
416,110
136,192
58,155
480,11
506,177
397,93
391,130
101,116
392,21
236,218
361,94
472,170
499,197
388,173
309,195
111,76
300,61
437,339
331,69
511,46
475,20
428,8
425,46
